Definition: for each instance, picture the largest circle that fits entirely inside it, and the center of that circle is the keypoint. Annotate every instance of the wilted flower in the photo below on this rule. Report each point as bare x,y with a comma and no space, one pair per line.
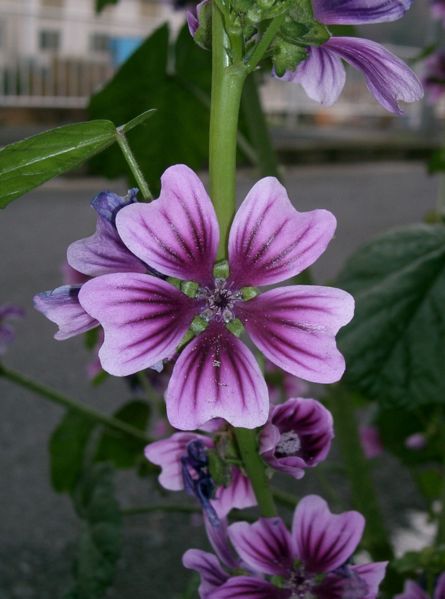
322,74
311,561
413,591
7,335
184,464
297,436
370,441
216,375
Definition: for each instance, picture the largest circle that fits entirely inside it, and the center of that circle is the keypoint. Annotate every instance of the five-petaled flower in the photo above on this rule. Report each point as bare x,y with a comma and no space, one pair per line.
216,375
311,561
413,591
388,78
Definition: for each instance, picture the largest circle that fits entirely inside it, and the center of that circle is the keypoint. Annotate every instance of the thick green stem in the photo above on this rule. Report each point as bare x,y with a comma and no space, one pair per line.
357,466
132,163
71,404
256,471
227,87
258,130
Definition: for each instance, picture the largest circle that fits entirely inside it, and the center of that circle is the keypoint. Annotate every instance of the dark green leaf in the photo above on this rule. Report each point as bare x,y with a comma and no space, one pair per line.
100,539
121,450
32,161
67,447
395,346
101,4
437,162
178,132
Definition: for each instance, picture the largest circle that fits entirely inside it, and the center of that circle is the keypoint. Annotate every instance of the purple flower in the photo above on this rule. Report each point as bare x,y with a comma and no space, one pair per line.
7,334
183,461
370,441
322,74
298,436
312,560
216,375
416,441
438,10
101,253
413,591
434,77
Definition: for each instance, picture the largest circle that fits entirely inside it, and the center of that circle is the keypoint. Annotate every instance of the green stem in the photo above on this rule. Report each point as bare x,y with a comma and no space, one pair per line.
227,86
357,466
286,499
258,130
132,163
264,43
71,404
256,471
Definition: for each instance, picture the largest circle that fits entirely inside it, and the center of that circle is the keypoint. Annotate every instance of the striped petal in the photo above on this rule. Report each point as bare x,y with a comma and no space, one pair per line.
144,319
208,567
357,12
243,587
270,241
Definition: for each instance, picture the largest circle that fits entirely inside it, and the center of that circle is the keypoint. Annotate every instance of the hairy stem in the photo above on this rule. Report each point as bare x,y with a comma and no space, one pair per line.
132,163
71,404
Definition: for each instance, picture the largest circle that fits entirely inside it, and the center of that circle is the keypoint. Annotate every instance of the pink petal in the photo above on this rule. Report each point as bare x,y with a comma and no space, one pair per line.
238,494
322,75
270,241
208,567
216,376
372,574
103,253
62,306
167,454
295,328
324,541
264,546
411,590
439,593
144,319
243,587
177,234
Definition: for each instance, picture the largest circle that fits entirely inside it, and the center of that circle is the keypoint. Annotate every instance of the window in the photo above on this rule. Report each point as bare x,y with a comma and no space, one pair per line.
49,39
100,42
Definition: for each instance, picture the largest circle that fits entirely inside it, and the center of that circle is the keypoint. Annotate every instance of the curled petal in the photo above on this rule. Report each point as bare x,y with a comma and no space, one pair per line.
167,454
270,241
357,12
372,574
243,587
61,305
238,494
352,581
208,567
412,590
144,319
324,541
388,78
295,328
103,253
216,376
264,546
219,539
322,75
177,234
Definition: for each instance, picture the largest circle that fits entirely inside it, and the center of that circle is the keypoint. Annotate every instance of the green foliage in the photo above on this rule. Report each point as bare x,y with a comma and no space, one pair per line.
100,538
437,162
119,449
430,560
32,161
395,345
67,447
101,4
178,132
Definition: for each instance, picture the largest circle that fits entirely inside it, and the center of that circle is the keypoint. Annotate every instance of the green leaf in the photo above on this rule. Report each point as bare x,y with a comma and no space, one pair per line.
437,161
32,161
121,450
395,345
101,4
67,447
100,540
178,132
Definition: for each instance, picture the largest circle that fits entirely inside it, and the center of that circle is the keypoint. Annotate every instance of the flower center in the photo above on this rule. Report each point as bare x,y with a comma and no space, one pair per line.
300,585
220,301
288,445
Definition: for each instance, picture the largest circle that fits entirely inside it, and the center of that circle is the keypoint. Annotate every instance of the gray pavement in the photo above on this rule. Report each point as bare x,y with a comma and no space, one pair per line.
38,528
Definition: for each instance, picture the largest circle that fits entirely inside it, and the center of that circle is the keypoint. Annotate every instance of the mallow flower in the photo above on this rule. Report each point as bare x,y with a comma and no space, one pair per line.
313,560
8,312
413,591
185,466
388,78
216,375
298,435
